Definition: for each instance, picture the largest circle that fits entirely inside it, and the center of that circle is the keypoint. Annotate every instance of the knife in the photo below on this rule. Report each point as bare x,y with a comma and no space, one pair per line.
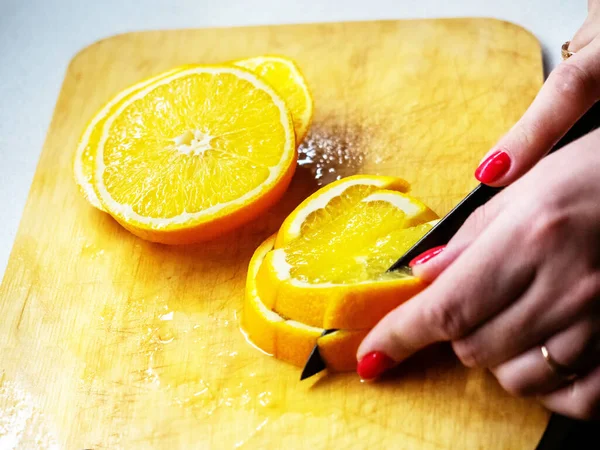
314,363
439,234
445,228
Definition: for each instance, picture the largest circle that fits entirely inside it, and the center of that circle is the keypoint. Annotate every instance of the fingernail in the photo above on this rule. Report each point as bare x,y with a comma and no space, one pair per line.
426,256
493,167
373,364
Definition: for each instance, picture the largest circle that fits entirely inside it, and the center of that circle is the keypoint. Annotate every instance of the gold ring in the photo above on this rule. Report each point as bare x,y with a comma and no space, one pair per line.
558,369
565,52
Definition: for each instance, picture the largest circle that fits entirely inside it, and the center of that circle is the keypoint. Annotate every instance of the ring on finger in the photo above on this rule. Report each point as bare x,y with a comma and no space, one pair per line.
562,371
565,53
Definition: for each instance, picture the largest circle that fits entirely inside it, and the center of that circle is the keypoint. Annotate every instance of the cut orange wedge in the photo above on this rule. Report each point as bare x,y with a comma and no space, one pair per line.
340,195
329,267
289,340
194,154
285,77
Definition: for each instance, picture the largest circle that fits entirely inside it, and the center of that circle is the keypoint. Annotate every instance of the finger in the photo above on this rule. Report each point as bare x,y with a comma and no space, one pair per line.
586,34
475,224
588,30
470,291
546,308
571,89
580,400
575,347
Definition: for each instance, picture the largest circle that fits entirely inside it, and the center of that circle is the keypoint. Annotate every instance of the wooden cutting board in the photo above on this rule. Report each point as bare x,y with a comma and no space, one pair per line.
111,342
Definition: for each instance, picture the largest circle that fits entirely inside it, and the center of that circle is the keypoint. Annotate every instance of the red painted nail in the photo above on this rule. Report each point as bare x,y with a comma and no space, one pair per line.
426,256
373,364
493,167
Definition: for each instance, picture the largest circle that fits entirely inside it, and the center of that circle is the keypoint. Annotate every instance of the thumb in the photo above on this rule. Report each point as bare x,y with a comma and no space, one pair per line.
571,89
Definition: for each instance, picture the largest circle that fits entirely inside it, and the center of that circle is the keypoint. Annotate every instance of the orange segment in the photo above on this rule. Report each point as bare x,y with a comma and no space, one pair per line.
333,273
289,340
340,195
195,154
285,77
85,154
358,243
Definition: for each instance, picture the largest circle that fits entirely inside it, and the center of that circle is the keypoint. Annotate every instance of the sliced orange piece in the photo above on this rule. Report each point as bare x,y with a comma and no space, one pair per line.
333,274
279,72
289,340
341,195
195,154
85,154
285,77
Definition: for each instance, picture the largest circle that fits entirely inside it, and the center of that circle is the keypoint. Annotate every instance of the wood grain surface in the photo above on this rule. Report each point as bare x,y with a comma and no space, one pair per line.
111,342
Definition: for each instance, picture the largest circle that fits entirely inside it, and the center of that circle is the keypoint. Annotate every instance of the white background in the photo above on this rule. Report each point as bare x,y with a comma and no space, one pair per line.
39,37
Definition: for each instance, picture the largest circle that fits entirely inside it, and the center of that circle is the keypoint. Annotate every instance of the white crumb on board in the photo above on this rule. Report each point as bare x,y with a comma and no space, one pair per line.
22,424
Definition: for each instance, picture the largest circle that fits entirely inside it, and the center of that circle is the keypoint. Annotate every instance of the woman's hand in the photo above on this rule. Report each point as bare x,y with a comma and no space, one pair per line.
571,89
524,270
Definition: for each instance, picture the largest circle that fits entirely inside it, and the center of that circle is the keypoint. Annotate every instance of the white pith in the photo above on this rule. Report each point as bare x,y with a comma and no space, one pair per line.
323,200
193,142
400,201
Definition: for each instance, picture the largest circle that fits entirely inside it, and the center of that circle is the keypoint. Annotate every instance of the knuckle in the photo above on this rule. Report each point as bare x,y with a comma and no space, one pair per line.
448,319
587,293
549,227
469,353
478,220
528,131
473,226
591,286
571,81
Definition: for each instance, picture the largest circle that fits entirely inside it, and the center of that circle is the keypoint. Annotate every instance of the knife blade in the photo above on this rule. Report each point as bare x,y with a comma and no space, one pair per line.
445,228
315,364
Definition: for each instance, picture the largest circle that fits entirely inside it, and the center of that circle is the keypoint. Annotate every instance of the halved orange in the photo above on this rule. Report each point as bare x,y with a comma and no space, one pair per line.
329,267
289,340
195,154
286,78
279,72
